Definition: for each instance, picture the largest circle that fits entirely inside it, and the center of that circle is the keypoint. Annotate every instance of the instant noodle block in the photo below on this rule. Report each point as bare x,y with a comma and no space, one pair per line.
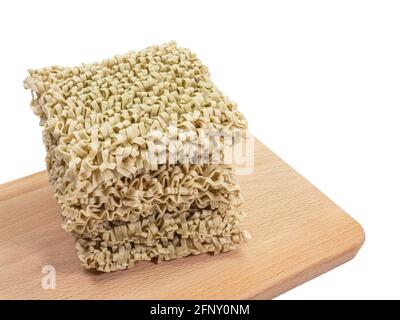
102,121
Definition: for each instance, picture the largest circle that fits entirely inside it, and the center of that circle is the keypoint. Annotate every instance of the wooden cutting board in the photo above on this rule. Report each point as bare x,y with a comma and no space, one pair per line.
298,234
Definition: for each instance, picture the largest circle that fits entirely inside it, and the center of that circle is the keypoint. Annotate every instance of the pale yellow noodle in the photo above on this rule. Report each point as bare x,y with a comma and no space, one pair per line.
100,121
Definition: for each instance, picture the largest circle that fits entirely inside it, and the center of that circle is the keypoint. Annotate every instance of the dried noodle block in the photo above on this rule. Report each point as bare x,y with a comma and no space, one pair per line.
101,123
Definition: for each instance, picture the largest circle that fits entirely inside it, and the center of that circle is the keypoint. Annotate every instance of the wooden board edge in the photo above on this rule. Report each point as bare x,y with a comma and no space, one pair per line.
312,271
25,184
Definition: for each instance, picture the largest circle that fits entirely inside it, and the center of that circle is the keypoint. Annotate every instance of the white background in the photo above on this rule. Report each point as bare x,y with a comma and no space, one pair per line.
318,81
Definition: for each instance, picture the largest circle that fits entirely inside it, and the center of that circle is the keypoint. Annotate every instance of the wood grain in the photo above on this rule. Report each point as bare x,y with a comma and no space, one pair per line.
298,233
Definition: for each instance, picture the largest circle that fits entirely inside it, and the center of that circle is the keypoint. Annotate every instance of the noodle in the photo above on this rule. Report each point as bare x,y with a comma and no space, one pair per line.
109,128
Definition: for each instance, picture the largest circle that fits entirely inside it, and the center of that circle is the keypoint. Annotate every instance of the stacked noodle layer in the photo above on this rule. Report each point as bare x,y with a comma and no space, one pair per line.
101,122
